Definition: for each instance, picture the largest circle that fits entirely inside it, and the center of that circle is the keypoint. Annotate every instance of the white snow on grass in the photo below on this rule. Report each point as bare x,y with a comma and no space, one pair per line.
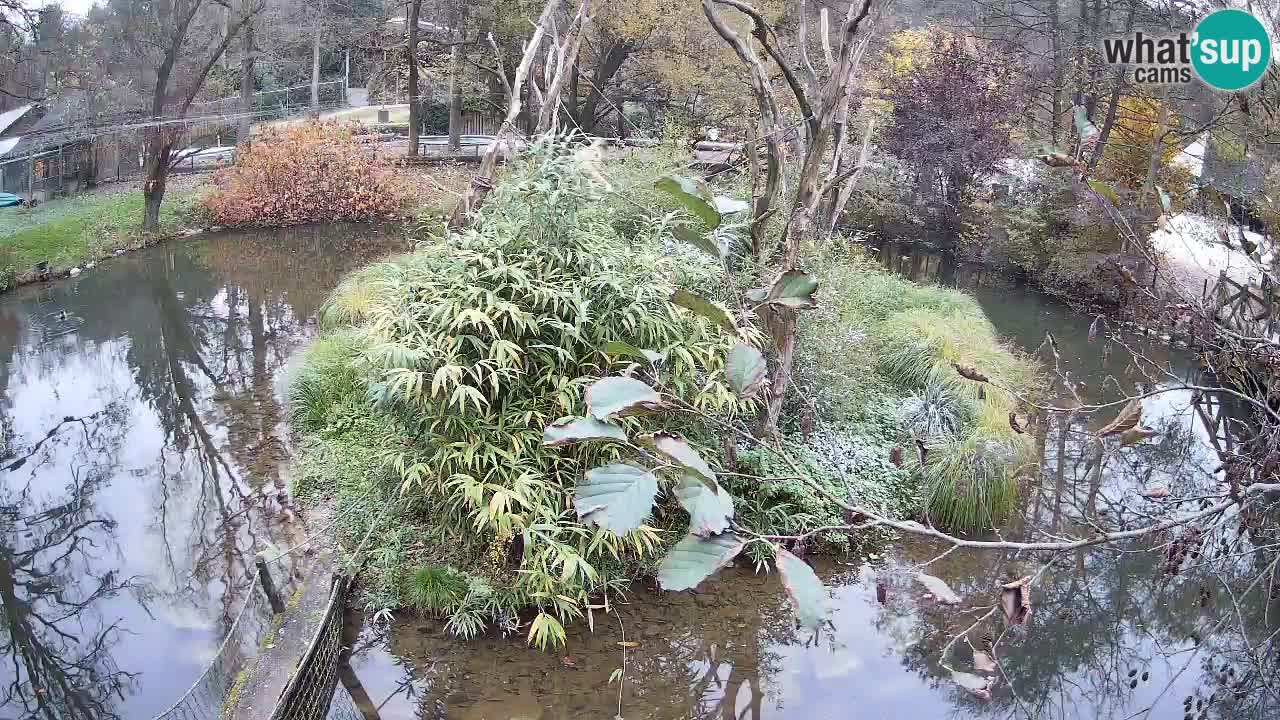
1193,254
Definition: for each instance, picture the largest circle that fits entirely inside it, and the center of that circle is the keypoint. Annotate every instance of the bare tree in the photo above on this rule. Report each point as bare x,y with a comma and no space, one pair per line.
822,108
182,41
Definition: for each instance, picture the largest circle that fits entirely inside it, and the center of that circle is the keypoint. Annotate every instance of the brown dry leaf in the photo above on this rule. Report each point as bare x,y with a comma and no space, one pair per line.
983,663
970,373
1156,492
1135,435
1014,424
1129,416
1015,600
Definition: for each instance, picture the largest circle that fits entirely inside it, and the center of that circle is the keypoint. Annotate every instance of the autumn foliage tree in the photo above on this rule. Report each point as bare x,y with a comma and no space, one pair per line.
951,117
313,172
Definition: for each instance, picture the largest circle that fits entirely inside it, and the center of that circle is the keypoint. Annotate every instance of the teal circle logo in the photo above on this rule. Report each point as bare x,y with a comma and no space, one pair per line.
1231,49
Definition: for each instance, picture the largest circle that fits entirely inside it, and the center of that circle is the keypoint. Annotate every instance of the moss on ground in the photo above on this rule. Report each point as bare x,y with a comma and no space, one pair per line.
71,231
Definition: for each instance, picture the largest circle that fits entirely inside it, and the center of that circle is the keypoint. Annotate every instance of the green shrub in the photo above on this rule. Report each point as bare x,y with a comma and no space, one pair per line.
468,347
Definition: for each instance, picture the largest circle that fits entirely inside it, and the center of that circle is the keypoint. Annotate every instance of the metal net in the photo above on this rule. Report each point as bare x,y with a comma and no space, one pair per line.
311,689
214,688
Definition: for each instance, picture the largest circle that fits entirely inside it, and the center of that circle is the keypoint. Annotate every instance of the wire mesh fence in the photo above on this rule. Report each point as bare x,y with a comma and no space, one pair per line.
310,691
206,698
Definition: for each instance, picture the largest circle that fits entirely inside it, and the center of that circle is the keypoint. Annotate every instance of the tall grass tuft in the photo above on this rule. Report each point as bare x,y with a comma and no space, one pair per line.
877,335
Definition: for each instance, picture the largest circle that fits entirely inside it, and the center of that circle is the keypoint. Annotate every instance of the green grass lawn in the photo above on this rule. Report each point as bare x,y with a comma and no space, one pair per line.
71,231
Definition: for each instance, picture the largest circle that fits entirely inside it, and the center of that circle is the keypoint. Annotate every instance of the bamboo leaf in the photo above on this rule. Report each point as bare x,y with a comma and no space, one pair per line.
626,349
678,449
710,508
694,195
616,497
746,370
1105,190
569,430
698,238
695,559
704,307
807,593
612,396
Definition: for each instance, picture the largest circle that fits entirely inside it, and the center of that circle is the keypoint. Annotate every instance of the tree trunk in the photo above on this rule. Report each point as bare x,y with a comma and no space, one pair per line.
411,57
315,68
158,148
455,97
1055,123
246,87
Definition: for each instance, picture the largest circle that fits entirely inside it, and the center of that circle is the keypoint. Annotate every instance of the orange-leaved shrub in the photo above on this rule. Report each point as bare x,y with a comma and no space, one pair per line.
315,171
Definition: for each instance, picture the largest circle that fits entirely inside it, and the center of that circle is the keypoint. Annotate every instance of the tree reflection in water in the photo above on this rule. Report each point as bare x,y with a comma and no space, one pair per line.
117,586
55,569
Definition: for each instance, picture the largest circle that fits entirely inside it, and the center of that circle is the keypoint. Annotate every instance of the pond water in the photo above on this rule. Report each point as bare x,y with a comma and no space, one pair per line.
1110,635
145,440
142,444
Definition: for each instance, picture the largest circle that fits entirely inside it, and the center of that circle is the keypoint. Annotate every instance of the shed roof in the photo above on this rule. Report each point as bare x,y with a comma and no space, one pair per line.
10,117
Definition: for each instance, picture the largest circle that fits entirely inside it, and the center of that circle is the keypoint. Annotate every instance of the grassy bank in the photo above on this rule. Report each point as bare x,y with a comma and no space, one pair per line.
422,405
68,232
878,362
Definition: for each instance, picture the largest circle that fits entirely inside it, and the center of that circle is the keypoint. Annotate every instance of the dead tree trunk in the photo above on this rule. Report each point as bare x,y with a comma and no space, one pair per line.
482,183
820,111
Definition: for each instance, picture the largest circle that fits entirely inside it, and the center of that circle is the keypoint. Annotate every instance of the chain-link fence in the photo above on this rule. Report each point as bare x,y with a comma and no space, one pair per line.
311,689
206,698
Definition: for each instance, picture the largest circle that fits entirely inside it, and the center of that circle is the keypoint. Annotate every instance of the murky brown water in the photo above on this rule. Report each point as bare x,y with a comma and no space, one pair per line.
142,456
1109,636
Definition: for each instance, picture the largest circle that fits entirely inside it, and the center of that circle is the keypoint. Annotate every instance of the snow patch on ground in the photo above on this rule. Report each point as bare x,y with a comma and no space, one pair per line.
1193,254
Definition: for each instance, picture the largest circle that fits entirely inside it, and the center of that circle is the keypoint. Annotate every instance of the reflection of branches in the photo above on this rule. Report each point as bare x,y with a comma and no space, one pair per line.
83,420
48,577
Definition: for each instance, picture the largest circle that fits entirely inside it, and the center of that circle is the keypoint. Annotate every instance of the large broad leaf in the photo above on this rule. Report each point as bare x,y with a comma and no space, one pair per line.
676,448
1085,127
694,559
746,370
569,430
807,593
976,684
616,497
704,307
698,238
796,289
694,195
942,592
710,507
727,205
619,396
626,349
1105,190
